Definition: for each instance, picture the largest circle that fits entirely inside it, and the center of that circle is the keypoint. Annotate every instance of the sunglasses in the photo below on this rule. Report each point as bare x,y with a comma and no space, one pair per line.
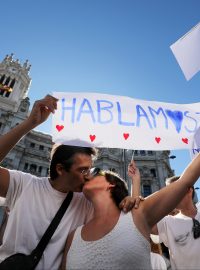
85,172
196,228
96,171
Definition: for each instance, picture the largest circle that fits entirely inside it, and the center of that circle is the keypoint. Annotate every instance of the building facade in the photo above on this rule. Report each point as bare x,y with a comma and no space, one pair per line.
32,153
154,166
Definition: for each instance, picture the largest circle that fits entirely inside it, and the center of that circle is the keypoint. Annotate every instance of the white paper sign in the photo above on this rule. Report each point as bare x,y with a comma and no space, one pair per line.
187,52
101,120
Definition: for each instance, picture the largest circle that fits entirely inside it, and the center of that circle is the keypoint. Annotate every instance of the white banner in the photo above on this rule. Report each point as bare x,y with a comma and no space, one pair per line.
187,52
101,120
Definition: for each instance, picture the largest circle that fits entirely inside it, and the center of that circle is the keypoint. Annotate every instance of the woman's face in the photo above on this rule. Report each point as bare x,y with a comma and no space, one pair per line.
96,182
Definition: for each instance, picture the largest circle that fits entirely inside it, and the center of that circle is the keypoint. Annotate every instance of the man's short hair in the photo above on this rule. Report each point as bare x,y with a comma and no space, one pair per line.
171,179
174,179
64,154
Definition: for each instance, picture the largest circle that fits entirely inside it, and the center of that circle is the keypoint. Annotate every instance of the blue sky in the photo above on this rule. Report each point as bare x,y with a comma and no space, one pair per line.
119,47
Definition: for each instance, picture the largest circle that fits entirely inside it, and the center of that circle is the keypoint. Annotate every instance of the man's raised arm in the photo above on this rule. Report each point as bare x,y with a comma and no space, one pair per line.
39,113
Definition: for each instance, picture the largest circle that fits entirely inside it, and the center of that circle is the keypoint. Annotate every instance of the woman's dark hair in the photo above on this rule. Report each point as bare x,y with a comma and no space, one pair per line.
120,190
64,154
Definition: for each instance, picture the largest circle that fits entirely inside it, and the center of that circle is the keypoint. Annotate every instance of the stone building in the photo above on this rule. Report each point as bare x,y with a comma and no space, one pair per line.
32,153
154,166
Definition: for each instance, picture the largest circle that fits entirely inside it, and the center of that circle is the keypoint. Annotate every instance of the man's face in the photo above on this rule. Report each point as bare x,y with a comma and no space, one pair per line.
78,172
183,204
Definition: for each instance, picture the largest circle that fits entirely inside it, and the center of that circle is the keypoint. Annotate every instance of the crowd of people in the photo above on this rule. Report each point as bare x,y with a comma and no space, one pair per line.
103,227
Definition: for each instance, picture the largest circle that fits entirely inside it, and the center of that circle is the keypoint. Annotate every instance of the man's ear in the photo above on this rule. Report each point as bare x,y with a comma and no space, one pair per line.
59,169
190,190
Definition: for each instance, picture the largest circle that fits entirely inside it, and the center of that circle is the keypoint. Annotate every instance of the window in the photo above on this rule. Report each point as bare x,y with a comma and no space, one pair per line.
2,79
33,168
32,145
7,94
22,109
146,190
12,83
41,147
142,153
7,81
40,169
25,166
153,172
150,153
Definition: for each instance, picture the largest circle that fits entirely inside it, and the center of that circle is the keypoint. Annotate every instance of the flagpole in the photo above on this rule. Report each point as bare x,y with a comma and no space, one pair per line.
132,157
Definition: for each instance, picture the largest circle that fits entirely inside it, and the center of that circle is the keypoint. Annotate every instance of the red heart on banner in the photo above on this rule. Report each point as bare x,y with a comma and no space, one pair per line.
59,127
92,138
185,140
158,139
126,135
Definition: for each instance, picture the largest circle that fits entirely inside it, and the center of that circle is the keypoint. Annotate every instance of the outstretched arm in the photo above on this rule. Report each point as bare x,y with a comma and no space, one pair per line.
162,202
40,112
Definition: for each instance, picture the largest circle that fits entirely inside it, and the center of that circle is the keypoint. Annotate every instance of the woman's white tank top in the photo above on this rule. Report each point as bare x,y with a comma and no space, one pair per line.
122,248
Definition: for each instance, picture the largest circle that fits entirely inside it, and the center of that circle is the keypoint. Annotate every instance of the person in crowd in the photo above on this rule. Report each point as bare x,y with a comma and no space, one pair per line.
114,240
181,232
33,201
158,260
